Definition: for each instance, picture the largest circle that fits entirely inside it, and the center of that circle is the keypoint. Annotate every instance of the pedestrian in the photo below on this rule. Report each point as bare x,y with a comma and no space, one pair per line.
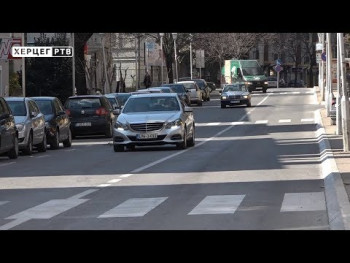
147,80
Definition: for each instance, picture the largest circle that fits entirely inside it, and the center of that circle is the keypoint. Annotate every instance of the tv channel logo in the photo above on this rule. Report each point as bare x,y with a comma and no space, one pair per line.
44,52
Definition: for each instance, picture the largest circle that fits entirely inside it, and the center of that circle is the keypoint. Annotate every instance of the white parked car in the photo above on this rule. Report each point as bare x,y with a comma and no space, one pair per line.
195,92
154,119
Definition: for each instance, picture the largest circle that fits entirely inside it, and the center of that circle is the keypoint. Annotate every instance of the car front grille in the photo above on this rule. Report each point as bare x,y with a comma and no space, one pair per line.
146,127
235,97
134,139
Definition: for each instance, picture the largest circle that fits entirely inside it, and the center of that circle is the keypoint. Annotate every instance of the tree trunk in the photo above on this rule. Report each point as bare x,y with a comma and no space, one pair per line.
169,66
80,40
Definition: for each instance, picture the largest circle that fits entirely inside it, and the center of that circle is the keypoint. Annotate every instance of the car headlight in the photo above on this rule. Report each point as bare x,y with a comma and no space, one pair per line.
20,127
245,96
121,126
175,123
248,83
266,82
223,97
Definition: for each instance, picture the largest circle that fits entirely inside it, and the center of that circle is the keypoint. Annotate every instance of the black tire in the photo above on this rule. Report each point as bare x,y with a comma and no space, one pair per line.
249,104
55,144
43,145
191,142
68,142
223,106
130,147
183,145
264,90
208,98
109,131
28,150
118,148
13,153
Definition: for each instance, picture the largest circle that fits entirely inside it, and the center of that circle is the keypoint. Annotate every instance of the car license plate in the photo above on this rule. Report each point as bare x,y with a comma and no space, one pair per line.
147,136
83,124
234,101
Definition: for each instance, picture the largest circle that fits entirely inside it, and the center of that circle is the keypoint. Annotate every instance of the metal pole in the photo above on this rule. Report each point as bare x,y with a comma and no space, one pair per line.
329,74
322,71
104,65
136,66
161,48
23,69
338,109
345,98
191,57
139,61
73,65
278,79
177,76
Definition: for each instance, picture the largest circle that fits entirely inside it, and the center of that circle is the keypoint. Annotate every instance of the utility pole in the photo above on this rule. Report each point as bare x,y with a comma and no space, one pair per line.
191,55
337,104
321,68
73,65
23,68
345,98
329,74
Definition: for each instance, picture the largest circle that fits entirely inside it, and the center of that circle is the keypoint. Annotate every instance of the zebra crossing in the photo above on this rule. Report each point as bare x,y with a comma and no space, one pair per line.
140,207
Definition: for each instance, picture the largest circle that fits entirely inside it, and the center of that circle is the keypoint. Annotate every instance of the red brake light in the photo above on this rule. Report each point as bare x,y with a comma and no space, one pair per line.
101,111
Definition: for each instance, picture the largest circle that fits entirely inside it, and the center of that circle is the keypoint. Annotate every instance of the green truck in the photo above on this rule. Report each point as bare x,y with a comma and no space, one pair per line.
248,71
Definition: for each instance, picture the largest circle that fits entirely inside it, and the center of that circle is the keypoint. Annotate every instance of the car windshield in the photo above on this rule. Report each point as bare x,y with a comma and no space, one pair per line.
234,88
18,108
252,71
45,106
84,103
200,83
188,86
147,104
122,98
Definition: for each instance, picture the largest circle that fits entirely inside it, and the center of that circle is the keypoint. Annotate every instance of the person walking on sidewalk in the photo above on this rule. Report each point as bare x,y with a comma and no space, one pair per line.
147,80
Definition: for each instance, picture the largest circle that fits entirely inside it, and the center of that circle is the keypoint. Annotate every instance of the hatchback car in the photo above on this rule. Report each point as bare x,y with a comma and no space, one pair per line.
194,91
202,84
154,119
90,114
8,131
235,94
30,123
56,121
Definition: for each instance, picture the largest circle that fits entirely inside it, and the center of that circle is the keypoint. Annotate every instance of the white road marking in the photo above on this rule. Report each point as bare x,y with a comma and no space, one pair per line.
240,122
134,207
307,120
114,181
197,145
295,202
5,164
213,123
283,93
222,123
13,223
82,194
70,150
91,143
125,175
42,156
103,185
284,121
295,92
261,122
3,202
218,204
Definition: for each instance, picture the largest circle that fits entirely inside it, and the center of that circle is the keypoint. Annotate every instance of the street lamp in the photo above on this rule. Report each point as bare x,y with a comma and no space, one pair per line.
161,49
191,36
175,37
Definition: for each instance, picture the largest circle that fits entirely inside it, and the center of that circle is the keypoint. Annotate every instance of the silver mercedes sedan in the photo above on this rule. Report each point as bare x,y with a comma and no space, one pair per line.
154,119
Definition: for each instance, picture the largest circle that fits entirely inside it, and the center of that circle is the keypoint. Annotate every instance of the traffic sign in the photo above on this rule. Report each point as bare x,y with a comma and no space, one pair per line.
278,62
278,68
323,56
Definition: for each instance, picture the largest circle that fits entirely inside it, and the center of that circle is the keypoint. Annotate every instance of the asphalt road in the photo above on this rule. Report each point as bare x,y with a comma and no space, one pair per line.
251,168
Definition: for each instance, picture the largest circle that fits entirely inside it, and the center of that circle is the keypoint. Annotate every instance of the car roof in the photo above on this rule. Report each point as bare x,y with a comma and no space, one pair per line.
187,81
86,96
43,98
16,98
146,95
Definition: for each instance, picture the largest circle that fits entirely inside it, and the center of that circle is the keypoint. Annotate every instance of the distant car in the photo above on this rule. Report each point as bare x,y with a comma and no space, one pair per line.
195,92
91,114
113,101
272,82
235,94
181,91
122,97
166,89
202,84
297,84
154,119
211,85
30,123
8,131
56,121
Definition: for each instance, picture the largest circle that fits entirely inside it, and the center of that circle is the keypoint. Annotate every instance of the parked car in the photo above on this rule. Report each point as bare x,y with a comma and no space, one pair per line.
90,114
235,94
113,101
194,91
166,89
122,97
56,121
297,84
211,86
154,119
202,84
30,123
272,82
8,131
181,92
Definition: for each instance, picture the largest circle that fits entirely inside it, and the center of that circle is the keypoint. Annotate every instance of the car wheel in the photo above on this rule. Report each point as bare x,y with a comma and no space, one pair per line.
183,145
68,142
109,132
264,90
13,153
118,148
191,142
43,145
249,104
56,141
208,98
28,150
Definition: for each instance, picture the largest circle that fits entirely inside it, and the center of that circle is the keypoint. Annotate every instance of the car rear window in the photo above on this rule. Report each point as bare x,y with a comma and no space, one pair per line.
18,108
84,103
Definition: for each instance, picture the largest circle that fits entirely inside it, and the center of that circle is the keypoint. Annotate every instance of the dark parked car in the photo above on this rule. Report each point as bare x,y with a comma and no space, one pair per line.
91,114
8,131
56,121
211,85
181,92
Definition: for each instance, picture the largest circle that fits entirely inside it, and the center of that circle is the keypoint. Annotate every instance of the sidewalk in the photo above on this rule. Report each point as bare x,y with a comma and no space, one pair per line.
338,177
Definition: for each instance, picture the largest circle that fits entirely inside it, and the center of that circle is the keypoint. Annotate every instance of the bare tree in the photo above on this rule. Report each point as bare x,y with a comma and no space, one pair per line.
309,47
293,47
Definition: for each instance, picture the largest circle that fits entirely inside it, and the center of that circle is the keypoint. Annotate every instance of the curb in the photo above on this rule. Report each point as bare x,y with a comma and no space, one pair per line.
337,200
